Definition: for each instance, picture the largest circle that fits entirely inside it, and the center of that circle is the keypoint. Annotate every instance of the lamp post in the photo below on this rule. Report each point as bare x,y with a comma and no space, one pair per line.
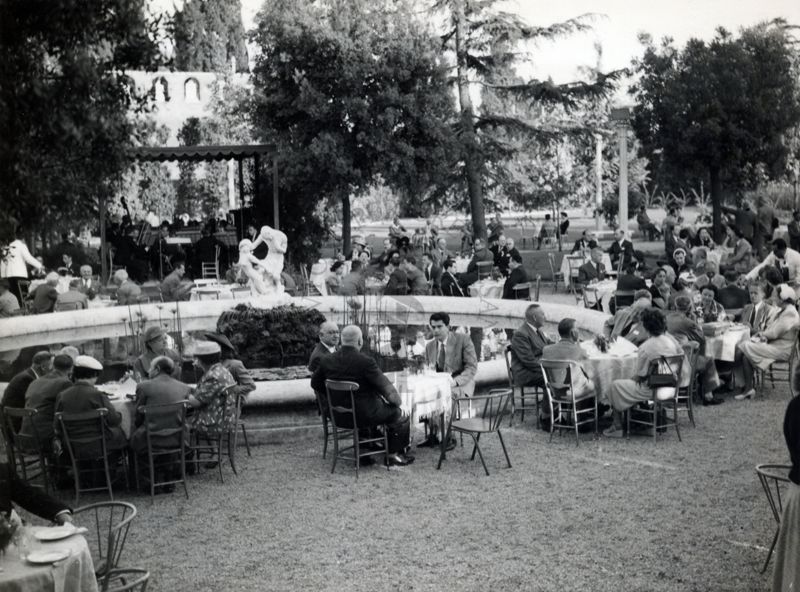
621,117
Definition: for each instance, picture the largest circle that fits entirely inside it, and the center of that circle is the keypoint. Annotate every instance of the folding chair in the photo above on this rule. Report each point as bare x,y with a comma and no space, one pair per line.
556,275
771,477
559,386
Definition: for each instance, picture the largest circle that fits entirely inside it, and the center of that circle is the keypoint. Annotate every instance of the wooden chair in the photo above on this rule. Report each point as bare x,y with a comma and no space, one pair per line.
623,298
522,291
166,446
74,428
556,275
25,450
686,394
108,524
664,377
342,411
533,391
773,478
129,579
538,283
210,269
495,406
574,287
214,437
560,389
322,410
240,425
484,269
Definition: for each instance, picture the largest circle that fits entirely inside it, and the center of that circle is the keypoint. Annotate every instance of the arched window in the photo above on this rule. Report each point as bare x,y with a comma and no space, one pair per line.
191,90
161,90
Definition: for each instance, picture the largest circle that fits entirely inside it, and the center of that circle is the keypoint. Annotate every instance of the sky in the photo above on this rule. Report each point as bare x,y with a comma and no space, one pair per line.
616,27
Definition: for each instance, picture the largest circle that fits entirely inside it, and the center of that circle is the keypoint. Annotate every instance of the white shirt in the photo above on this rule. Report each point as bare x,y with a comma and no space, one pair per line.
329,348
791,261
13,265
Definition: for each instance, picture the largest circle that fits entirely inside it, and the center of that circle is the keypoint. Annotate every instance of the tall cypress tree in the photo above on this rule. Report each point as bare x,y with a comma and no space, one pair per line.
207,34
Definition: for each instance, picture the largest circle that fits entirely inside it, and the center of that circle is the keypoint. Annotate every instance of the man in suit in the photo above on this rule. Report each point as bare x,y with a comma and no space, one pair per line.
417,284
160,389
328,339
353,283
377,402
585,242
452,353
450,283
594,270
14,395
433,274
73,296
631,278
42,394
526,348
173,288
383,258
682,325
88,285
440,254
732,297
620,248
756,315
480,254
568,348
626,322
517,276
33,499
398,280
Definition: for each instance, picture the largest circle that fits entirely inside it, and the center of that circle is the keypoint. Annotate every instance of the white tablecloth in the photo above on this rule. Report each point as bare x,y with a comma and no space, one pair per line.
723,347
487,289
605,368
423,396
61,287
461,264
603,291
117,395
73,574
220,292
577,261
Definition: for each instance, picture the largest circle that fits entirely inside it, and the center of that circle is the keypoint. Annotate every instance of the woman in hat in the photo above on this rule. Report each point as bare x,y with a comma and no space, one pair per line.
155,344
213,409
240,374
773,344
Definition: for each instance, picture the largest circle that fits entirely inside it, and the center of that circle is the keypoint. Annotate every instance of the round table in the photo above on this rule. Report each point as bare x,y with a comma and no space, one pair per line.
604,368
723,347
424,396
118,395
487,289
603,292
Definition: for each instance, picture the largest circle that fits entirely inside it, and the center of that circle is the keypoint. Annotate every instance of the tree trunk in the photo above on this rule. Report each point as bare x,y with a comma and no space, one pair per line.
345,223
473,161
716,203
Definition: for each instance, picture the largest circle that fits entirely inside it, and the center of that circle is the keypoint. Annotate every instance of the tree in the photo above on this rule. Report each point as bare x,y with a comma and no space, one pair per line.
64,103
209,34
347,91
718,108
485,40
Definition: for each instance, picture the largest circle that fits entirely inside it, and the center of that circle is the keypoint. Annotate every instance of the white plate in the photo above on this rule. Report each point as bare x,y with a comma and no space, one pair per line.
56,533
47,556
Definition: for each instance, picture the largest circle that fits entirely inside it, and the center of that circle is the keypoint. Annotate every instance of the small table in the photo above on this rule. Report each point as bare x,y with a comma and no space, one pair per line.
424,396
603,292
118,397
604,368
73,574
723,347
461,264
213,292
487,289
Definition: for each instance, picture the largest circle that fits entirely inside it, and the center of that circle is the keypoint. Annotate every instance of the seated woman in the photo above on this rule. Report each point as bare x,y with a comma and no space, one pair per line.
334,281
155,344
773,344
660,290
213,411
626,392
703,239
244,381
739,257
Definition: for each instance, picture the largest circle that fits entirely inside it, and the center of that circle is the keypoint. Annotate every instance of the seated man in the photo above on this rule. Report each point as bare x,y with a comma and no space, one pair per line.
73,296
450,283
710,311
377,402
481,253
682,325
328,340
397,284
756,314
585,242
415,279
14,393
568,348
42,394
732,297
45,295
646,227
631,278
128,292
173,288
354,282
594,270
621,249
783,258
547,230
627,322
9,305
661,289
527,344
679,265
33,499
518,275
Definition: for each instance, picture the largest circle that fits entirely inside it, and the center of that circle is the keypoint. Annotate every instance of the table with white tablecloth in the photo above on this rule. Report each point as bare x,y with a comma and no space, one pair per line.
461,264
603,292
487,289
218,292
74,573
119,394
723,347
578,260
424,396
604,368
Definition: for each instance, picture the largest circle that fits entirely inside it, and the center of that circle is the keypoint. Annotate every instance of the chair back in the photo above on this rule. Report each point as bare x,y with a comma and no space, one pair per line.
558,375
22,441
341,393
64,306
691,350
507,357
551,261
108,524
495,407
773,477
623,298
538,284
128,579
80,431
664,376
165,426
484,269
522,291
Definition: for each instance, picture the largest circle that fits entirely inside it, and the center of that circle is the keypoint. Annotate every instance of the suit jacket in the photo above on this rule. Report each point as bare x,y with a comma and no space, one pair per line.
41,395
757,321
376,400
517,276
588,272
320,351
417,283
439,257
352,284
483,254
433,276
684,329
14,395
82,397
89,285
33,499
73,296
625,251
526,351
451,286
398,283
570,351
629,282
244,381
161,390
732,297
460,360
580,245
625,323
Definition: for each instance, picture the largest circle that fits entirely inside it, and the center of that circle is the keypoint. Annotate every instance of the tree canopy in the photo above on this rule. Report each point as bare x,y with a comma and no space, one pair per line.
208,34
64,102
718,108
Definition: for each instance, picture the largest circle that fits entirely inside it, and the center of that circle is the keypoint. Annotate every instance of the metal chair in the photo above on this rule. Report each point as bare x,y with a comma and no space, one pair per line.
522,291
556,275
164,442
495,406
88,429
771,476
577,289
210,269
339,394
560,389
129,579
108,524
484,269
215,435
686,394
24,450
523,407
664,373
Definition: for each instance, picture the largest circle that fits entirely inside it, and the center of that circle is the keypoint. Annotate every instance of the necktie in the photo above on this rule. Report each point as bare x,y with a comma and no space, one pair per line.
599,273
428,273
440,358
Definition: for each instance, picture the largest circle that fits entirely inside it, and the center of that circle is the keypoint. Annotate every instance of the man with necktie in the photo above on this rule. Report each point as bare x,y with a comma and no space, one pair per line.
433,274
527,345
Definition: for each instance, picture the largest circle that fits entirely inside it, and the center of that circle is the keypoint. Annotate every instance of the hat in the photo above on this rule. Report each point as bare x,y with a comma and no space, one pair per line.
41,357
88,362
786,293
152,333
319,267
358,240
221,339
204,348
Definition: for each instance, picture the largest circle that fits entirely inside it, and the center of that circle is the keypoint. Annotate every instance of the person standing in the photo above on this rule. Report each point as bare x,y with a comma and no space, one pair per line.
14,260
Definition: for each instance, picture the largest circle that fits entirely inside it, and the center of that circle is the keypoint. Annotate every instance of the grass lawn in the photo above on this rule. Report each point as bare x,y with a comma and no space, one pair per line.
607,515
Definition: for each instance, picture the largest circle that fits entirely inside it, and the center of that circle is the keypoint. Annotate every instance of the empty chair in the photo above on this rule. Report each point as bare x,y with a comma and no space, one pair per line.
108,524
129,579
556,275
773,478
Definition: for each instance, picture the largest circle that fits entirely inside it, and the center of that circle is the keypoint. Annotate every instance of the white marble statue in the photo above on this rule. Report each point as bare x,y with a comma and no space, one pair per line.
272,265
250,265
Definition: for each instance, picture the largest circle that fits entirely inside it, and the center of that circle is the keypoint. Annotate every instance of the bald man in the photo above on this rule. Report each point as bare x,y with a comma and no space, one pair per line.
377,402
328,340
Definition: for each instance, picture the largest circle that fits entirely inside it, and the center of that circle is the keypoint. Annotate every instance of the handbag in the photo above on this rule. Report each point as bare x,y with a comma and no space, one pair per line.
661,374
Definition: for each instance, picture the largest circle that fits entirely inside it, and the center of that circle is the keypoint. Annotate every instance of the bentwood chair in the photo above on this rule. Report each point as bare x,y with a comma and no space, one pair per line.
129,579
108,524
522,291
240,425
165,436
342,414
773,478
322,410
556,275
209,440
532,392
663,379
559,385
484,269
495,406
686,394
25,449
